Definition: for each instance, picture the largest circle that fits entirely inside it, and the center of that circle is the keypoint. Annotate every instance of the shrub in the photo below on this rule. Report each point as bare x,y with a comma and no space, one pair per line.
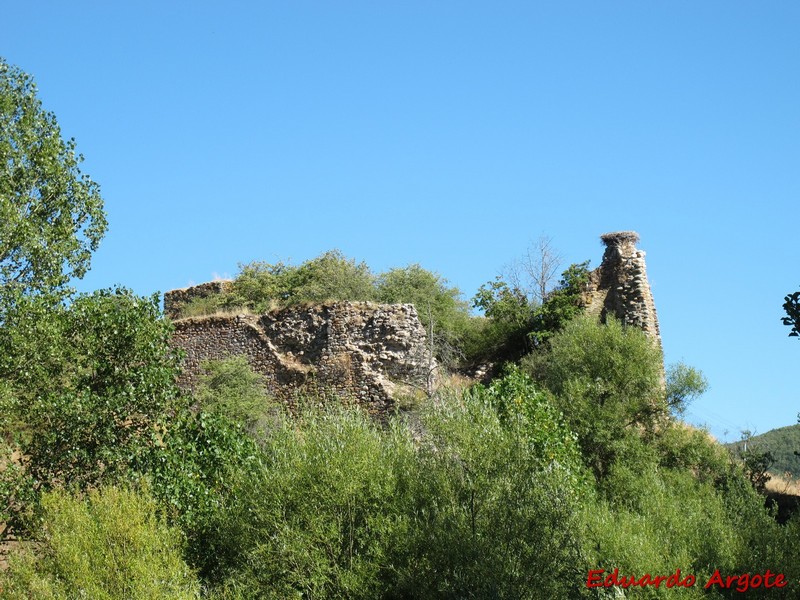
231,388
606,379
439,306
110,545
318,519
191,473
88,383
493,499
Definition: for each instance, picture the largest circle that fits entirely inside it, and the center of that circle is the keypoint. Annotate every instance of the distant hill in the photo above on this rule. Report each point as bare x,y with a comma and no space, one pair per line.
782,442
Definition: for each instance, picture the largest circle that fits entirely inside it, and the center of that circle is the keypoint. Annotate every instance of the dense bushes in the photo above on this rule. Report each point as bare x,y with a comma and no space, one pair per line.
482,493
109,545
479,497
607,381
85,388
518,323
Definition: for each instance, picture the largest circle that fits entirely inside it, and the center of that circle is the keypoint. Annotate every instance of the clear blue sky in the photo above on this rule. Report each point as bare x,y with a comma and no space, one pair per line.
451,134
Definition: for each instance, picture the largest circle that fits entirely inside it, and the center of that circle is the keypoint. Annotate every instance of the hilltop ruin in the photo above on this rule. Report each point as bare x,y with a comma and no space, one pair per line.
365,352
373,353
619,286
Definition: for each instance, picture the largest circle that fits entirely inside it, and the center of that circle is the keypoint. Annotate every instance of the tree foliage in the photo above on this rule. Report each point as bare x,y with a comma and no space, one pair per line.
440,308
483,503
87,383
231,388
109,545
684,384
51,214
330,276
519,324
607,381
791,304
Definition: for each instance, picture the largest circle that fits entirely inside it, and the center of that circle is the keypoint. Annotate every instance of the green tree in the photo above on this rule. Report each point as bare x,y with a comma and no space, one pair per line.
791,304
264,286
607,381
684,384
561,305
51,215
439,306
231,388
86,384
518,323
509,314
191,471
493,499
330,276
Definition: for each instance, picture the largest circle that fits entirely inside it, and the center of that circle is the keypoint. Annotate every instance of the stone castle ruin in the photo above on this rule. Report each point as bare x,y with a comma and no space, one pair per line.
372,353
619,286
366,352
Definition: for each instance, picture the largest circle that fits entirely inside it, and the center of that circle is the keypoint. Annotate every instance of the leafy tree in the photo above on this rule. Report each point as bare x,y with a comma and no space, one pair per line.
510,311
518,324
88,384
493,499
191,471
231,388
607,381
561,305
259,286
330,276
791,305
51,215
756,461
317,519
438,305
684,384
263,286
480,499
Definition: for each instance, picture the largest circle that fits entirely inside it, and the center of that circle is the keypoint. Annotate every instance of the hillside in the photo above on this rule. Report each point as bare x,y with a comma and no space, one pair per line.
782,442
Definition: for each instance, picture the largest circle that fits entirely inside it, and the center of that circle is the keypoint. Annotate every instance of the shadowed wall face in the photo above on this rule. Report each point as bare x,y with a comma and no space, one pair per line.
619,286
365,352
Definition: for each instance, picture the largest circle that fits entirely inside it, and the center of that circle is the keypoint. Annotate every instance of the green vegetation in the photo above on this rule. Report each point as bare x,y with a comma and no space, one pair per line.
230,388
86,385
606,380
262,286
514,322
51,215
791,304
118,485
109,545
781,443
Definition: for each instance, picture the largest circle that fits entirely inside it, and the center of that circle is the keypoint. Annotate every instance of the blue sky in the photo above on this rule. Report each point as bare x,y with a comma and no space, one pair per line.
451,134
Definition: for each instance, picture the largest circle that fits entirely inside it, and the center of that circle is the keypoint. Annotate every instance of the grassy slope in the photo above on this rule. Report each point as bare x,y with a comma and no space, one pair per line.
782,442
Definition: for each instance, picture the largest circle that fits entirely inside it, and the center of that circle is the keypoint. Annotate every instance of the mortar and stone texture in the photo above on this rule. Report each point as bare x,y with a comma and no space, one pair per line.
619,286
361,352
368,353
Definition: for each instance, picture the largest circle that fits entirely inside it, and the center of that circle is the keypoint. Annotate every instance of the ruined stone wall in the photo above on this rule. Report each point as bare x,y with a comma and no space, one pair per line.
619,286
363,352
176,300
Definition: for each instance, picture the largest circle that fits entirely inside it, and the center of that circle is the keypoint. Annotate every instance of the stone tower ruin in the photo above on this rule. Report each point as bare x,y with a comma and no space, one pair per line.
619,286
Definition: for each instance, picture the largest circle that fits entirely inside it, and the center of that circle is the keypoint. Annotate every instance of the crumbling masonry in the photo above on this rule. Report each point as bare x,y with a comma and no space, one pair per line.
371,353
362,352
619,286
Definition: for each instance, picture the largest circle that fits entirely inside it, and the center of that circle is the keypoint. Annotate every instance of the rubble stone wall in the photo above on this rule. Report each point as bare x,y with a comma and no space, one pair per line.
619,286
176,300
363,352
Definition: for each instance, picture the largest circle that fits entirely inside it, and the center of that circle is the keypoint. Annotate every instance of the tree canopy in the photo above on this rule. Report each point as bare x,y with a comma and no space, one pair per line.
51,214
791,304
